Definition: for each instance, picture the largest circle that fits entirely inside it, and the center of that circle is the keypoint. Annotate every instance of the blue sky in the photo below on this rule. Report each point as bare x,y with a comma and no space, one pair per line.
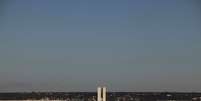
76,45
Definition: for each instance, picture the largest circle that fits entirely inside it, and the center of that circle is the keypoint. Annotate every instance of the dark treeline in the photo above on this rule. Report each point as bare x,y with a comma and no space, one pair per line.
151,96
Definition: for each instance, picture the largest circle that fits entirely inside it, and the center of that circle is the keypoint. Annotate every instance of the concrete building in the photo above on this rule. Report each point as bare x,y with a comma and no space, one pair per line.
101,94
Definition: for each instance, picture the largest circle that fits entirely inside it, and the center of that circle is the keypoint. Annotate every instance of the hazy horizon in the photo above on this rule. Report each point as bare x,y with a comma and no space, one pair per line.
77,45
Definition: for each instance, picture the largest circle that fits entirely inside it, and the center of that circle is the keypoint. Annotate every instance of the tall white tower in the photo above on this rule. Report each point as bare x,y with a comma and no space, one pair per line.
99,97
104,93
101,94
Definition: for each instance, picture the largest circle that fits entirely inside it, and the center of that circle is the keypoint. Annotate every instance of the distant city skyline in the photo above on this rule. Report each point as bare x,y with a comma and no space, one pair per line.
77,45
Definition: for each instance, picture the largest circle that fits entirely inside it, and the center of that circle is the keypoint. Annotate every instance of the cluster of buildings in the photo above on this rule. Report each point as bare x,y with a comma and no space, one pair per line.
101,95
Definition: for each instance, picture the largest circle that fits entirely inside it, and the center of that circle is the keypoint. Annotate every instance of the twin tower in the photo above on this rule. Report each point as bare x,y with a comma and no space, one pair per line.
101,94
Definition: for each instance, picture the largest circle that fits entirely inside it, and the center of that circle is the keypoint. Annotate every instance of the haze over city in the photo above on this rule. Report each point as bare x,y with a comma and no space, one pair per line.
77,45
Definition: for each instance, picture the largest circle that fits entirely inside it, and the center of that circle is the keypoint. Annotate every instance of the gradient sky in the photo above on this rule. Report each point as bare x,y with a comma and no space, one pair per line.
76,45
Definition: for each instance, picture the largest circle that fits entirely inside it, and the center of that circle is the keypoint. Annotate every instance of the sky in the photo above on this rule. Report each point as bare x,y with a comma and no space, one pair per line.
77,45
